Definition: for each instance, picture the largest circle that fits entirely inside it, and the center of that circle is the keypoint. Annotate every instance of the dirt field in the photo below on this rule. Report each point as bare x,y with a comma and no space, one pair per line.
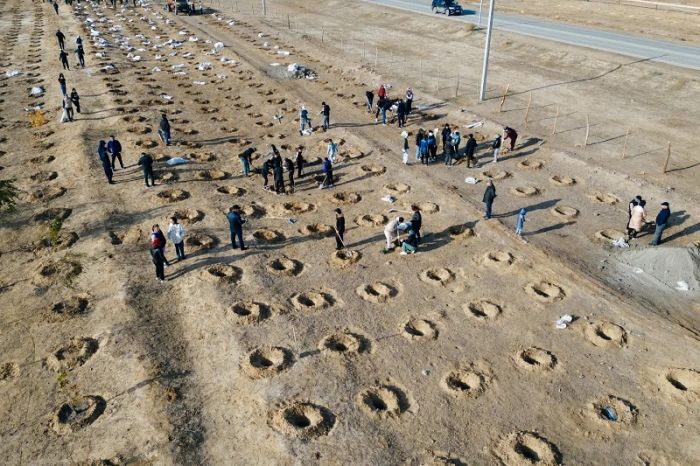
292,353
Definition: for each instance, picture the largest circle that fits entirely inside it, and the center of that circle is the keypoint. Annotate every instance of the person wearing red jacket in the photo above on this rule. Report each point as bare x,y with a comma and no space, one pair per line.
381,92
511,134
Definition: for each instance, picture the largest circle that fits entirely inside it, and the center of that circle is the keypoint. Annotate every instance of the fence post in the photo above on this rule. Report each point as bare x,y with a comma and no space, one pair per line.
289,23
624,148
588,130
503,100
457,87
323,33
527,112
556,115
668,157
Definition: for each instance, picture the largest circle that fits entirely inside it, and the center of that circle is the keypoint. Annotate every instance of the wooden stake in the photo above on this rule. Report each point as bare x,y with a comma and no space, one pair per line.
503,100
554,127
527,112
588,131
668,157
457,87
624,148
323,33
376,57
289,23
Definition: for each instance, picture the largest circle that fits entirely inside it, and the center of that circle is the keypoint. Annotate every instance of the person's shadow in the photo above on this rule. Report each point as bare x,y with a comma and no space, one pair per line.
676,219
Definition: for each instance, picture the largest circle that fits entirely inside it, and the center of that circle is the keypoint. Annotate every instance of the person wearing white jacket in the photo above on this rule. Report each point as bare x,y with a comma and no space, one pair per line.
176,234
391,232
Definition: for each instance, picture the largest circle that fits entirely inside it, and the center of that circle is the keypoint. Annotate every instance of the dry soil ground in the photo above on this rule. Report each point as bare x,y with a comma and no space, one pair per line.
290,353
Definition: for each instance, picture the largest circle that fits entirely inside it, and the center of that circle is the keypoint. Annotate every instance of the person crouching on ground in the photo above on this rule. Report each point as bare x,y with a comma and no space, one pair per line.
391,232
410,244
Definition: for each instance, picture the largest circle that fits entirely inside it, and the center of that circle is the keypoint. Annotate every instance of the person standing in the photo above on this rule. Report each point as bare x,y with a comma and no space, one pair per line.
401,113
81,55
661,222
277,172
289,166
146,163
391,229
339,229
404,152
61,38
456,141
75,98
370,99
446,137
55,6
67,105
489,196
244,157
235,224
159,262
332,150
104,158
636,221
78,41
520,223
176,234
303,120
496,146
409,100
416,222
512,135
328,172
62,83
299,161
432,146
381,92
158,241
470,150
164,129
265,172
326,112
114,148
63,56
630,206
419,137
448,155
425,150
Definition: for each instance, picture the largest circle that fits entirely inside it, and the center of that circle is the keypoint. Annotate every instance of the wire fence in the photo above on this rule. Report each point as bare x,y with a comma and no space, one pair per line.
530,109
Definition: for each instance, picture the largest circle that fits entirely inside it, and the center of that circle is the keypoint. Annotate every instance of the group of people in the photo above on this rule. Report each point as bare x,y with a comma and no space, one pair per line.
69,102
393,229
637,220
63,55
176,234
401,106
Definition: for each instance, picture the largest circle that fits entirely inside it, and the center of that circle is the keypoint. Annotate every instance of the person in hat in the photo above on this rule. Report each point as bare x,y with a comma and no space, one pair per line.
662,219
496,146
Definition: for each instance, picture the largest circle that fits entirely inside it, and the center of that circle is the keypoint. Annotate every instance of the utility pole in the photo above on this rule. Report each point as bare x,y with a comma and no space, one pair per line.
487,49
481,5
264,8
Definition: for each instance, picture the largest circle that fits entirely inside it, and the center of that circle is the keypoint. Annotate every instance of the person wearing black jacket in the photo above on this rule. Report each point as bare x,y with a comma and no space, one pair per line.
661,222
496,146
289,166
489,196
339,229
401,113
326,112
61,38
446,133
245,157
114,147
470,149
370,99
75,98
164,129
265,172
416,222
81,56
146,163
299,162
235,224
104,158
277,173
63,56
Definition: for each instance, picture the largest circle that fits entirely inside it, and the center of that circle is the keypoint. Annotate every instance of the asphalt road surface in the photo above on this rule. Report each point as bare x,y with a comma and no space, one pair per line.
624,44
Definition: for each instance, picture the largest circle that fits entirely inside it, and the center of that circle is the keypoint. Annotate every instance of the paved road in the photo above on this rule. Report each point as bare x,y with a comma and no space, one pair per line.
624,44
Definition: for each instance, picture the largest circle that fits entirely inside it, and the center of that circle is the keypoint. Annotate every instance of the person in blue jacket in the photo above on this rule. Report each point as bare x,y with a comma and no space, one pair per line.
235,223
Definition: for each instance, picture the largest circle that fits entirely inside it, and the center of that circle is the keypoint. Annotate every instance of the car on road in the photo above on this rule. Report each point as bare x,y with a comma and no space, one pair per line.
181,6
447,7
